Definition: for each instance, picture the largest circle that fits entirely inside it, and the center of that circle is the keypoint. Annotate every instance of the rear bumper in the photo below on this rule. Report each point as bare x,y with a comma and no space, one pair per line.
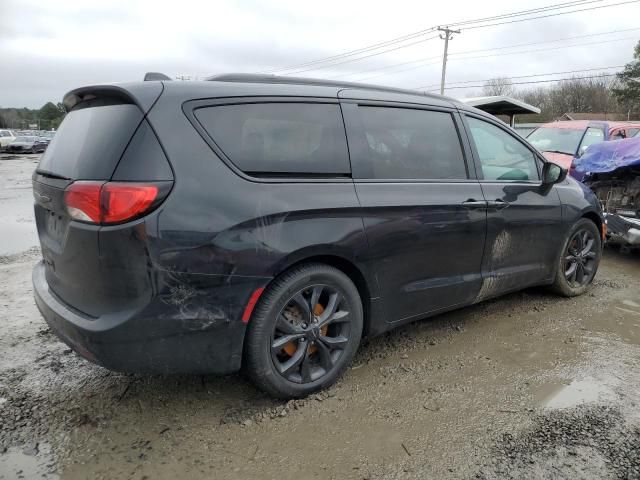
158,338
623,229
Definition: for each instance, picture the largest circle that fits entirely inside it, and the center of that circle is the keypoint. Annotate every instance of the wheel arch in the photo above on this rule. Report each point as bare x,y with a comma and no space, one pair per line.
595,218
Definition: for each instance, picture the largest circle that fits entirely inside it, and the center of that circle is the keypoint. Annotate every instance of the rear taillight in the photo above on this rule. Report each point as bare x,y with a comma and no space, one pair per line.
111,202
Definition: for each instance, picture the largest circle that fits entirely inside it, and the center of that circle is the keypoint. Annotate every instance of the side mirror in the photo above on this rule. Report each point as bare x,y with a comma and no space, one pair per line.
552,173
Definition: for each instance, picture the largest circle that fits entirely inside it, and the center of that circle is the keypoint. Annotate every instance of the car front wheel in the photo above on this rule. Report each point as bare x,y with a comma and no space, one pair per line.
579,259
304,331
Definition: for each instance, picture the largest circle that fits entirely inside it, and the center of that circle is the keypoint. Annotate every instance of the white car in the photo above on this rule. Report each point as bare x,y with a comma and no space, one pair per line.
6,137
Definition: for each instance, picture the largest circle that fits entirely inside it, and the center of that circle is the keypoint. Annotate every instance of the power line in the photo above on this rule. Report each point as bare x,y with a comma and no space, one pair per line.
431,29
544,49
339,56
392,66
521,76
501,55
537,81
401,70
362,58
552,15
575,3
386,67
547,41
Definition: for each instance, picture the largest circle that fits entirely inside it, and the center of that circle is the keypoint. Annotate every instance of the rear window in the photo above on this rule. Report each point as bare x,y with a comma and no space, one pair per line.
280,138
90,141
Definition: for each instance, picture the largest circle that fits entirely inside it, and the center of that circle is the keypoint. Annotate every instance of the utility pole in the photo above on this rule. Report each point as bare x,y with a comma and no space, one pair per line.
448,35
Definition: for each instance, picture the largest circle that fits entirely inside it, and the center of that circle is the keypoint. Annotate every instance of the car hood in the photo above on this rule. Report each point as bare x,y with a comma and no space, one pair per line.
562,159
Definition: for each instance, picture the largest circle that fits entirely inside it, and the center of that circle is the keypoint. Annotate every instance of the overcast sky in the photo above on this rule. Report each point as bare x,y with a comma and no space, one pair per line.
50,47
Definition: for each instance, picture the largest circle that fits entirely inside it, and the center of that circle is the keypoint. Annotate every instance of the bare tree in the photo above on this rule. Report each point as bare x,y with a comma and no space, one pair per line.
498,86
583,95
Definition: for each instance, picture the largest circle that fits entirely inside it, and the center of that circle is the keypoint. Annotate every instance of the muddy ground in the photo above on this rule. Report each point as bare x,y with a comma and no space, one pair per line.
527,386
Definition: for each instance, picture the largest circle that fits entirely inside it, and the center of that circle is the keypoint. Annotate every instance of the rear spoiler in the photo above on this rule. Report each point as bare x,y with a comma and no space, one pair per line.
142,94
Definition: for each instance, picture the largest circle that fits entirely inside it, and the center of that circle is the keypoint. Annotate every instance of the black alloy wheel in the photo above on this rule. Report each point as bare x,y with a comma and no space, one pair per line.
310,333
304,331
580,258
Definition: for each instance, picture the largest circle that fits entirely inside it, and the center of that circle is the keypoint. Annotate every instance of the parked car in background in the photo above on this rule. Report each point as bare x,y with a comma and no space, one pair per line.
612,171
27,144
46,136
270,223
6,137
565,142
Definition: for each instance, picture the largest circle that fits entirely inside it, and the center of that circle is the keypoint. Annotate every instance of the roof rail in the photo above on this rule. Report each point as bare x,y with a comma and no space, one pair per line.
263,78
151,76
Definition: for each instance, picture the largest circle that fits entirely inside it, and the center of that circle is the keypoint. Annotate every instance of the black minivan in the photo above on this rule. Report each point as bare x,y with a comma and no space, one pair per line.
270,223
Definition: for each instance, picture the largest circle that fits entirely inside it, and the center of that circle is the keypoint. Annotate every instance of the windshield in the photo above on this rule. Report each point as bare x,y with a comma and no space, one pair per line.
25,139
562,140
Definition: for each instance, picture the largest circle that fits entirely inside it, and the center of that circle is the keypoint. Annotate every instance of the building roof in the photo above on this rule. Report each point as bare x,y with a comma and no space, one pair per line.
583,124
500,105
593,116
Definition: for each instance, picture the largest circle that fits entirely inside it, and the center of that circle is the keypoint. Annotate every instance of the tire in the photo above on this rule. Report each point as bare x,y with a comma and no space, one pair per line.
280,315
588,261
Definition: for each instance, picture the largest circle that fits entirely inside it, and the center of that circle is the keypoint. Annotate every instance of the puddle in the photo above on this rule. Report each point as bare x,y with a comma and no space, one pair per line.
17,225
559,395
622,320
35,463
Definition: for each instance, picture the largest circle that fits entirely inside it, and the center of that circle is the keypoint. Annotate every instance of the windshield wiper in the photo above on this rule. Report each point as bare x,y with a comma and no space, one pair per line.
557,151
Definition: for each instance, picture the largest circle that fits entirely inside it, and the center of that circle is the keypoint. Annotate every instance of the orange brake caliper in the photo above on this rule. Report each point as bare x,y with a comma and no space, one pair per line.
290,348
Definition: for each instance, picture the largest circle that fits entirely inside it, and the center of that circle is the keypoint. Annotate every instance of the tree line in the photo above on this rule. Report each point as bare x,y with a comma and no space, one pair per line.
46,118
619,94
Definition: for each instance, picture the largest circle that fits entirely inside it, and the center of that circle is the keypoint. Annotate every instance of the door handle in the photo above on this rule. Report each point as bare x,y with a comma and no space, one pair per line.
472,204
498,204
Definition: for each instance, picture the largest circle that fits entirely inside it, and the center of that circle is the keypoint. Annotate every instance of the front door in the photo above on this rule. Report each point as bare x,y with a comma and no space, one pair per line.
523,216
423,212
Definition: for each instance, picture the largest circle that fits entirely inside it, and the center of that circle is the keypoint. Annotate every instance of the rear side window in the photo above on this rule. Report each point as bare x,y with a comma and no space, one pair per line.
411,144
280,138
90,141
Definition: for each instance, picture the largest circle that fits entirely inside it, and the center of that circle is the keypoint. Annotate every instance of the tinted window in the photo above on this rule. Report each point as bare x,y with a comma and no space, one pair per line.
632,132
501,155
90,141
279,137
406,143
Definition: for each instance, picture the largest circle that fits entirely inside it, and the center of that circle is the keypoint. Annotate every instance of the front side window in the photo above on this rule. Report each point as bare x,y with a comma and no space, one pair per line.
302,138
411,144
502,156
591,136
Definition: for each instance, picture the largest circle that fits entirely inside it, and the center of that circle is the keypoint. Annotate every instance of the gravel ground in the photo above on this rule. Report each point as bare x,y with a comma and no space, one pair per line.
526,386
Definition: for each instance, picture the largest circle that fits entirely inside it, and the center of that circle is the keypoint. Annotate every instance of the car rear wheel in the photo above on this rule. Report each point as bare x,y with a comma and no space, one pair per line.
304,331
579,259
